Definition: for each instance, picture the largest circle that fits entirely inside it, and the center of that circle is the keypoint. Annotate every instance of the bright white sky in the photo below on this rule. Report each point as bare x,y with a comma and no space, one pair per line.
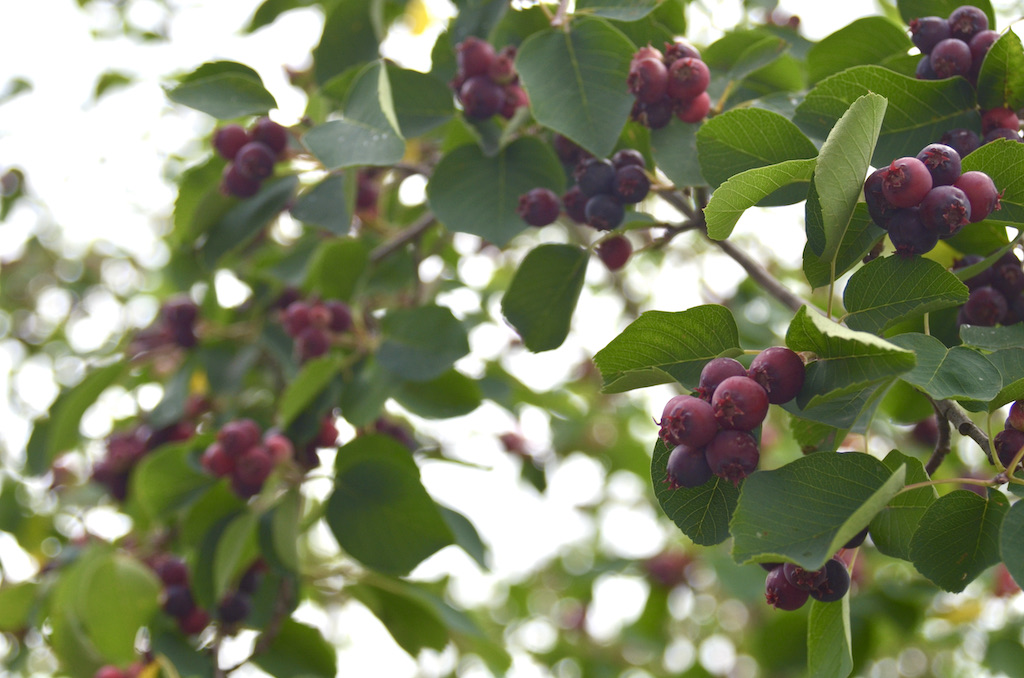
98,168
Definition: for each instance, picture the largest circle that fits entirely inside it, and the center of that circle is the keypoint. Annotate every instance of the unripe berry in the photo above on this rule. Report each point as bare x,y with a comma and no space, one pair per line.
732,455
538,207
689,421
109,671
780,372
739,403
995,118
782,595
715,372
687,467
229,139
688,78
695,109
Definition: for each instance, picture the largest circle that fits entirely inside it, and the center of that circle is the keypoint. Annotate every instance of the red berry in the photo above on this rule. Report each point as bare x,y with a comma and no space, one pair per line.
172,571
1015,419
109,671
879,208
253,466
648,52
194,622
238,436
648,80
297,318
780,372
575,204
312,343
715,372
538,207
694,110
217,461
680,49
905,182
688,78
279,447
981,192
615,252
272,134
515,98
732,455
328,434
341,316
474,57
782,595
689,421
995,118
739,403
481,97
229,139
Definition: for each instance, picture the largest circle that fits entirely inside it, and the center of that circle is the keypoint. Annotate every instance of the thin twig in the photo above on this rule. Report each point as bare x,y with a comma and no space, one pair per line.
678,201
560,14
942,445
762,277
956,416
414,231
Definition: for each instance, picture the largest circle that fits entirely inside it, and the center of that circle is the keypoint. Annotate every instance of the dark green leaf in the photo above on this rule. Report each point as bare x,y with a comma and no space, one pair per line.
1010,364
413,625
366,391
452,394
658,347
298,651
958,538
279,532
224,90
466,536
829,654
167,480
422,102
476,194
675,152
747,189
618,10
941,372
806,510
894,526
541,299
869,40
576,81
349,38
993,338
420,344
702,513
325,205
336,268
245,220
1011,542
311,380
1001,81
913,9
377,492
859,239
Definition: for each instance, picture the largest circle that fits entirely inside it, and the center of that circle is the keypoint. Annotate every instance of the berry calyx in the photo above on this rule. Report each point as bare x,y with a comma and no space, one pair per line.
905,182
945,210
967,21
806,580
782,595
951,57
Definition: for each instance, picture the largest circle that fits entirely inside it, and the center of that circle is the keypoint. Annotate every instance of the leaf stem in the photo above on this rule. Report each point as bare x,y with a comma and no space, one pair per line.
947,481
406,236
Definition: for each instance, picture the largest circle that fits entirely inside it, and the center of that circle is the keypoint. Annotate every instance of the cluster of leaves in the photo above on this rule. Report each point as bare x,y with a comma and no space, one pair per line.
793,121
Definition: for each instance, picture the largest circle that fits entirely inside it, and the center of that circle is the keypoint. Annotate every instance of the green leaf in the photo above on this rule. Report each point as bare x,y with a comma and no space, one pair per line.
659,346
236,548
1010,364
829,653
365,135
894,526
576,79
617,10
747,189
311,380
869,40
16,603
839,174
59,433
224,90
421,343
805,511
379,512
957,372
452,394
279,533
298,651
422,102
366,392
958,538
674,148
336,268
350,37
859,239
913,9
166,480
993,338
541,299
476,194
741,52
891,289
1001,80
270,10
247,219
1011,542
325,205
466,536
118,596
413,625
745,138
702,513
1002,160
919,111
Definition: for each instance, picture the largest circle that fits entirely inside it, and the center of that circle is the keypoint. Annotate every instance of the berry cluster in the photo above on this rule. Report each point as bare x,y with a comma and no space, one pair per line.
126,448
252,153
671,83
604,187
175,326
788,586
710,433
176,597
953,46
1009,441
311,323
486,81
920,200
995,292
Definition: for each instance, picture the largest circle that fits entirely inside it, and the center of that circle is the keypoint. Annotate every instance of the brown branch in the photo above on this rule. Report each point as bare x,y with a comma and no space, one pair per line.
412,232
956,416
678,201
942,445
762,276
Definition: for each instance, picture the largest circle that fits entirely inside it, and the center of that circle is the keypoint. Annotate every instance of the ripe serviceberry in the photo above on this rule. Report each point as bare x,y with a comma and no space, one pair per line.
909,235
996,118
686,420
655,115
255,161
836,584
805,580
715,372
568,151
879,208
627,157
687,78
239,435
229,139
217,461
502,70
687,467
538,207
1007,276
575,204
963,141
857,539
780,372
982,278
1015,419
272,134
967,21
253,466
515,98
732,455
680,49
233,182
481,97
172,571
313,342
951,57
234,608
928,31
980,45
647,80
604,212
985,306
595,176
943,163
905,182
924,70
615,252
194,622
474,57
981,192
782,595
1007,443
740,403
945,210
694,110
631,184
1001,133
177,601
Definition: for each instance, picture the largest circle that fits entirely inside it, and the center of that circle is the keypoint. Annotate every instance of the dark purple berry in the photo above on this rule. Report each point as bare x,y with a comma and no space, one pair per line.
780,372
687,467
686,420
615,252
272,134
1015,419
655,115
250,581
234,183
715,372
631,184
963,141
312,343
928,31
768,567
680,49
1008,277
179,316
805,580
985,306
229,139
879,208
297,317
627,157
340,314
595,176
238,436
909,235
836,584
474,57
481,97
905,182
999,118
688,78
694,110
951,57
782,595
740,403
568,151
945,210
177,601
604,212
984,277
255,161
1007,443
732,455
1001,133
538,207
857,539
967,21
981,192
924,70
943,163
233,608
172,571
980,45
647,80
575,204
